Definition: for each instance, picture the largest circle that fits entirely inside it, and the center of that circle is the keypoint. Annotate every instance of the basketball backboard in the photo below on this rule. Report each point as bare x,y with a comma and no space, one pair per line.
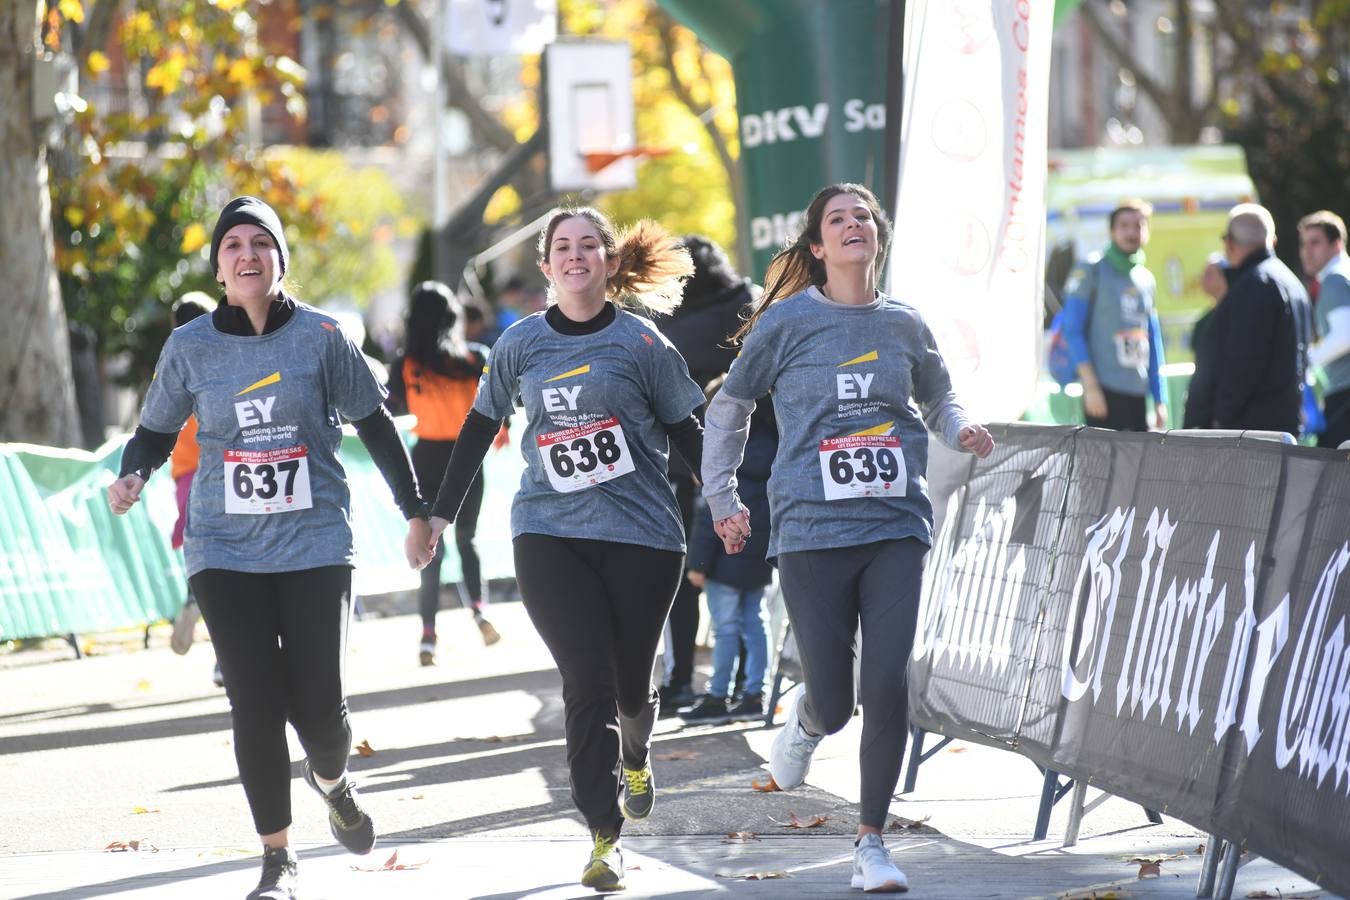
589,88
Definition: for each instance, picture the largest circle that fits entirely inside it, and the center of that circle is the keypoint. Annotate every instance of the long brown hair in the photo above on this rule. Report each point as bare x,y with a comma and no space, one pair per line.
795,267
652,262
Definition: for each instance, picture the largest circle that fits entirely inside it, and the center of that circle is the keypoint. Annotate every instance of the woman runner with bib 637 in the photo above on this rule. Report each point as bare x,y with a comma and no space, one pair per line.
598,537
855,378
269,541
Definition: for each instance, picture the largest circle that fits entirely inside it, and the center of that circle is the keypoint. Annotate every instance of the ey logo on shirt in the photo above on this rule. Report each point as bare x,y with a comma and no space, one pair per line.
563,398
256,410
855,385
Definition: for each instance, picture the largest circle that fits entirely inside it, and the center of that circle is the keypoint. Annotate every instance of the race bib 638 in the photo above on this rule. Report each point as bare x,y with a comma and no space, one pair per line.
582,457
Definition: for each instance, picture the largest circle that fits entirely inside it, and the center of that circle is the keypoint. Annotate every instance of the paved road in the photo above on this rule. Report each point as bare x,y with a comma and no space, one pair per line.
467,783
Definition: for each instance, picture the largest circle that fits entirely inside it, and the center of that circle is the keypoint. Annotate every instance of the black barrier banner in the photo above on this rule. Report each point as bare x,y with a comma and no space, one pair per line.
1162,615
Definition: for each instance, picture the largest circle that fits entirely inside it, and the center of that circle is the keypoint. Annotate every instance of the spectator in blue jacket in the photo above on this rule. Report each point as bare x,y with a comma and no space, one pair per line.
734,584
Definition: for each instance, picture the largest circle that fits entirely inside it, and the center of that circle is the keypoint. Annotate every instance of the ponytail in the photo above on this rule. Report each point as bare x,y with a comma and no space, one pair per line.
652,267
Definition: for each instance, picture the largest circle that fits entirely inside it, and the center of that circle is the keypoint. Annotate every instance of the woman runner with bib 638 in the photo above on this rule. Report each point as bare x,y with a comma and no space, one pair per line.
269,541
598,537
855,378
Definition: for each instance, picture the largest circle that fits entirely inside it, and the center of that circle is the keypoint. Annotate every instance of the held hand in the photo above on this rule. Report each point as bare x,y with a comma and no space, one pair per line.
1160,416
502,439
976,439
697,579
124,493
418,547
1094,401
733,530
437,526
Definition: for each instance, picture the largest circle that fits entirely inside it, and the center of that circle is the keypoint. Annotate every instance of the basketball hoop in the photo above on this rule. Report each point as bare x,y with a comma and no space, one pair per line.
599,161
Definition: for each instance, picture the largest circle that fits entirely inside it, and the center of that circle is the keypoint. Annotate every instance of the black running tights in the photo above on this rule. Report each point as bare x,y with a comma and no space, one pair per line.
600,607
280,639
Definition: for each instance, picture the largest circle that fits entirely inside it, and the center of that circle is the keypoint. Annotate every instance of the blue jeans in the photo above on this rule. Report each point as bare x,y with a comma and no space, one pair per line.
737,616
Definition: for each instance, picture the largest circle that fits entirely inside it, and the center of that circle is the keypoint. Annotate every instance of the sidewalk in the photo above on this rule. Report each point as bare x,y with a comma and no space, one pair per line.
467,783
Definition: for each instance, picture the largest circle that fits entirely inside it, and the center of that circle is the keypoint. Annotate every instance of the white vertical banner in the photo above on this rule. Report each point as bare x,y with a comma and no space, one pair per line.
968,249
500,27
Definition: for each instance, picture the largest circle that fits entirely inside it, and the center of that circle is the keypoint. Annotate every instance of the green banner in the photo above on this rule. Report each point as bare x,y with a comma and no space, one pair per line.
811,95
68,565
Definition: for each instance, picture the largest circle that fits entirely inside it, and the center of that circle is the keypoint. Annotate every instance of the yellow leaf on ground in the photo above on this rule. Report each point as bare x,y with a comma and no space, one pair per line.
767,787
364,749
141,810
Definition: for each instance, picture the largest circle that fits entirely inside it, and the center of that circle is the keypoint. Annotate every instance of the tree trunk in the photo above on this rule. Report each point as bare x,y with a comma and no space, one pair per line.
37,396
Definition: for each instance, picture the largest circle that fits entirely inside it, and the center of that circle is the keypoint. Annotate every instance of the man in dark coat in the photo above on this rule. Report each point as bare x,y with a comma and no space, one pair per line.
701,329
1251,356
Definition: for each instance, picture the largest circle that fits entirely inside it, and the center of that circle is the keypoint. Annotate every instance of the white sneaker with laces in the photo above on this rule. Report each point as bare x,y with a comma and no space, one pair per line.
790,758
873,871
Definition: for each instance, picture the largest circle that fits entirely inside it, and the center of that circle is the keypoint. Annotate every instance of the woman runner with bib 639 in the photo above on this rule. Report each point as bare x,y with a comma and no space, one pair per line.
598,537
855,378
269,541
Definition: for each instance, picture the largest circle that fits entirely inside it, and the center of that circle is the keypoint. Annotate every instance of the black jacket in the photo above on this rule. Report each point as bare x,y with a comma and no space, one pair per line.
748,569
1250,351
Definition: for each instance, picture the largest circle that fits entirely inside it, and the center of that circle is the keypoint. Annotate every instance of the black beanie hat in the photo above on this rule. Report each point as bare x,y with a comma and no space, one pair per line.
249,211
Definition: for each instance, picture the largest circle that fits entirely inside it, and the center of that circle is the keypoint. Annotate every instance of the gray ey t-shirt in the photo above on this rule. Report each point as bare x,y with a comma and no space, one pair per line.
853,451
270,494
594,444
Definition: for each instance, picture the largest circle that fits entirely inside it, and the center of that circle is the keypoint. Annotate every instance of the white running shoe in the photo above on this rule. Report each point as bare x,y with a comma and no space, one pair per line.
873,871
790,758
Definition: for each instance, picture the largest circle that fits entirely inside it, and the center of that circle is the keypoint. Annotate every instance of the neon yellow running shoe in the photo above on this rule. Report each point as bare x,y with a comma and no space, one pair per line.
639,792
604,870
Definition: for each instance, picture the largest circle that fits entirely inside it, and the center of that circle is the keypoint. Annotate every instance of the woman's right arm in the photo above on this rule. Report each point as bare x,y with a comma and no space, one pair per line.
726,427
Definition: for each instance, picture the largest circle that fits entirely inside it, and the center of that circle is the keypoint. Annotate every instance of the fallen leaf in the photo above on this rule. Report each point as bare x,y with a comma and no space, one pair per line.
1200,850
753,876
141,810
795,822
1097,895
391,865
900,823
740,837
226,852
1157,858
1278,895
364,749
1150,870
767,787
956,749
678,754
124,846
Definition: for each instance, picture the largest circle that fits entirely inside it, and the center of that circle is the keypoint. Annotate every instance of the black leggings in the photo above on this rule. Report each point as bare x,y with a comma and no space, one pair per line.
829,594
280,639
600,607
430,459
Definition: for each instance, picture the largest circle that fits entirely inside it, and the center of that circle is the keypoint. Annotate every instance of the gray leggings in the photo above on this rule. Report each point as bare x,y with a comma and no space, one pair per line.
826,593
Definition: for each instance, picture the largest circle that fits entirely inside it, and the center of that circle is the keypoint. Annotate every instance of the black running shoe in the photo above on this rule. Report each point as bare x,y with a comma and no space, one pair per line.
349,823
279,876
709,710
750,709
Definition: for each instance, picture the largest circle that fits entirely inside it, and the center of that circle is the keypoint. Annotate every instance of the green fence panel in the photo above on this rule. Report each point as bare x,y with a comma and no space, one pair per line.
68,565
